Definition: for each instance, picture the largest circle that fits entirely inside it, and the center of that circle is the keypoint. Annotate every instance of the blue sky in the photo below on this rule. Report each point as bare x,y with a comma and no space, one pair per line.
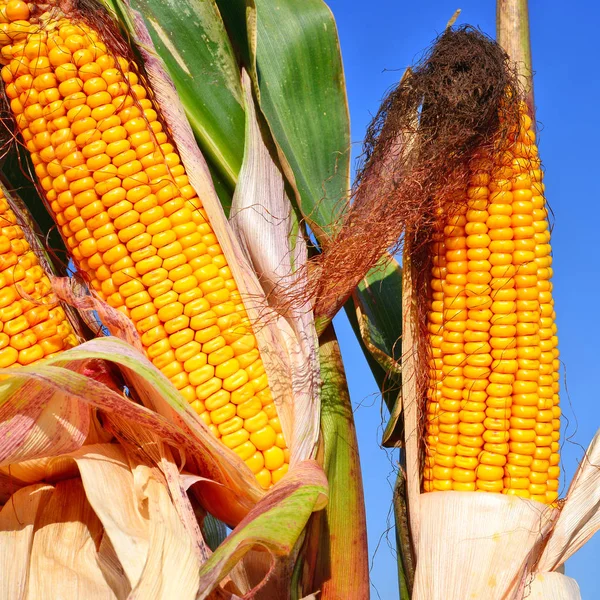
379,39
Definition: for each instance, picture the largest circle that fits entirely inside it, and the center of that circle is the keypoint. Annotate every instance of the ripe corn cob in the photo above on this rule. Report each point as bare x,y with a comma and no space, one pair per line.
32,327
135,226
492,412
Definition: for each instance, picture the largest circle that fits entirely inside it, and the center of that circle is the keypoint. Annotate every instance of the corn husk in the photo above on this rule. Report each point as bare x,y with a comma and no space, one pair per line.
113,529
474,545
552,586
262,217
109,533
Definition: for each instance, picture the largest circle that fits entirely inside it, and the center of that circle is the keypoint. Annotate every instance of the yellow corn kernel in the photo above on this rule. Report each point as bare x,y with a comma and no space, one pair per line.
264,438
274,458
256,462
264,478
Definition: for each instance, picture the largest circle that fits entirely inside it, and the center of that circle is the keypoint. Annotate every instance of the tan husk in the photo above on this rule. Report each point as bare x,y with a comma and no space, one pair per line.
17,522
69,568
474,545
552,586
580,516
113,531
261,216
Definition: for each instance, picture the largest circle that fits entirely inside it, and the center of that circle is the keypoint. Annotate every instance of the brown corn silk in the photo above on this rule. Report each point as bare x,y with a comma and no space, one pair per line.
135,227
448,144
416,149
33,324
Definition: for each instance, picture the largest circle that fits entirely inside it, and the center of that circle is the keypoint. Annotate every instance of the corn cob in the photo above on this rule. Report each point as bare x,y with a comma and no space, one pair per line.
492,410
135,226
32,327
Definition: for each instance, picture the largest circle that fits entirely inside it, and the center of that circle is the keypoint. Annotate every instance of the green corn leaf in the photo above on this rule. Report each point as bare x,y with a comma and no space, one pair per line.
293,56
339,532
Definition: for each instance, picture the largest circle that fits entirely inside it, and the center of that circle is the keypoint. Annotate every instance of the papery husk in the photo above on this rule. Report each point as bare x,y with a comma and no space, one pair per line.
552,586
475,545
410,405
224,484
262,217
17,522
134,542
113,533
580,515
63,561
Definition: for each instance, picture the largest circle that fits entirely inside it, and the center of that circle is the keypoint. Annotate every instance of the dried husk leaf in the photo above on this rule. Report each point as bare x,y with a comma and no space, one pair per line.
171,570
17,522
182,503
117,528
106,467
112,569
63,560
134,511
8,486
274,525
50,469
580,515
474,545
227,496
552,586
410,401
262,217
52,424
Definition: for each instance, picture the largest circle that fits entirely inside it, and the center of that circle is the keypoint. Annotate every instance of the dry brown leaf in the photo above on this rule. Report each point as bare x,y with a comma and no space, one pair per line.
474,545
17,523
64,561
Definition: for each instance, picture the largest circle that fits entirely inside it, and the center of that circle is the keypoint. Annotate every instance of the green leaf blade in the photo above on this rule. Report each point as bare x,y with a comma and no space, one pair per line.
301,89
